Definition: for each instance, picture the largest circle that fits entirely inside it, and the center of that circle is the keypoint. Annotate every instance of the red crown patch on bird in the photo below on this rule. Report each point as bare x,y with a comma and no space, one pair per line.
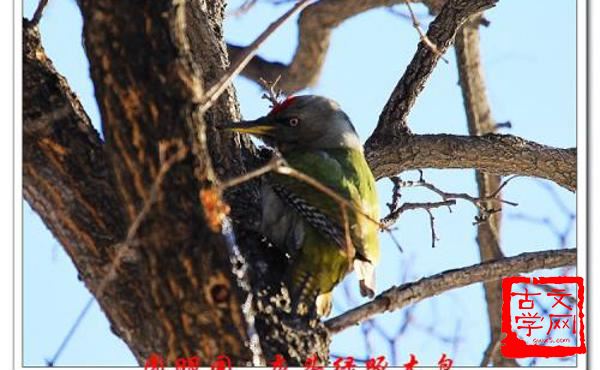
281,106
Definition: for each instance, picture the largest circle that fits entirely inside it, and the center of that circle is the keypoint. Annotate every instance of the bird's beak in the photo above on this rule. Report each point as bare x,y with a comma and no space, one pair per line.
261,127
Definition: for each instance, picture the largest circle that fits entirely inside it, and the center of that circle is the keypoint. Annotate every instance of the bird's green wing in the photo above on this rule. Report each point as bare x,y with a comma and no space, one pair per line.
346,172
324,256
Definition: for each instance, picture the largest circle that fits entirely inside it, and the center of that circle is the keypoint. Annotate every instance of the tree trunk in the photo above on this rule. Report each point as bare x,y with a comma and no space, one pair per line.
172,289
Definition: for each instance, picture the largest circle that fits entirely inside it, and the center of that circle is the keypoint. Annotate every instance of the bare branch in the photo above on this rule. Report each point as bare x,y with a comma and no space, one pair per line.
393,216
552,191
37,15
275,162
482,202
407,294
449,199
243,8
212,94
501,125
315,24
393,118
422,36
273,94
434,237
493,153
547,223
490,352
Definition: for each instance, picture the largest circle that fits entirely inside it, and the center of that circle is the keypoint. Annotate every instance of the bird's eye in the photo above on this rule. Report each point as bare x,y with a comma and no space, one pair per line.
294,121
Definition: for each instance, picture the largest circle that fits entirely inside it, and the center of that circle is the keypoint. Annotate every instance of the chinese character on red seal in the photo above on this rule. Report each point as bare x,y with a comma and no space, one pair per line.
527,320
548,324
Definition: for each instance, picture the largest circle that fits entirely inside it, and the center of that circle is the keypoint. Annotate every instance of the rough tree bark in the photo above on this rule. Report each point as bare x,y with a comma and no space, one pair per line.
157,261
173,288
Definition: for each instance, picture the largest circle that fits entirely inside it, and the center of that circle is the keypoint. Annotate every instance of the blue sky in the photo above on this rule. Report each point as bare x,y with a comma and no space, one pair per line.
529,62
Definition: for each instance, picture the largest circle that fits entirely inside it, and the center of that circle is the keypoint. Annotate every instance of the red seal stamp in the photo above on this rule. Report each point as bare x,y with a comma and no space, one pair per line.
542,316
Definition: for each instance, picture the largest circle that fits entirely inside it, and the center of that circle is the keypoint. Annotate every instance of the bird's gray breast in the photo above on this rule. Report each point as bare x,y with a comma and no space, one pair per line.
283,226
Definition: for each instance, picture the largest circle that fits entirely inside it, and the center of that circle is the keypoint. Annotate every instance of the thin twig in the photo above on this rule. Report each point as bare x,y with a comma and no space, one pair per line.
501,125
434,237
272,93
542,221
67,338
479,202
396,210
407,294
422,34
396,194
490,352
213,93
242,9
274,163
37,15
393,120
318,23
552,191
391,218
347,236
394,240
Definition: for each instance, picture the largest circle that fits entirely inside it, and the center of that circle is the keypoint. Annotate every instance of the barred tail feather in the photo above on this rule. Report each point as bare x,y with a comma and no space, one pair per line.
303,291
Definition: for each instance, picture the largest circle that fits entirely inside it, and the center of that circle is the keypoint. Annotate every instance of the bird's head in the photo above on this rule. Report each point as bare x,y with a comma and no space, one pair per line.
303,122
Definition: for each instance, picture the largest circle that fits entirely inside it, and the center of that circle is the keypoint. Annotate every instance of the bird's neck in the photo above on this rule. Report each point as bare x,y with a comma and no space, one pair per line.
340,134
343,144
347,140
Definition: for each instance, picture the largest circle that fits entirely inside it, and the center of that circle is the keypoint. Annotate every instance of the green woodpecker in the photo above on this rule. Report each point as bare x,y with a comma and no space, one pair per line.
317,138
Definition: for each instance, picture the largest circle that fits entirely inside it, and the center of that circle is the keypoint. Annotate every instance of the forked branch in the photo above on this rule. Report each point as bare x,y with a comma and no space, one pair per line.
448,199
